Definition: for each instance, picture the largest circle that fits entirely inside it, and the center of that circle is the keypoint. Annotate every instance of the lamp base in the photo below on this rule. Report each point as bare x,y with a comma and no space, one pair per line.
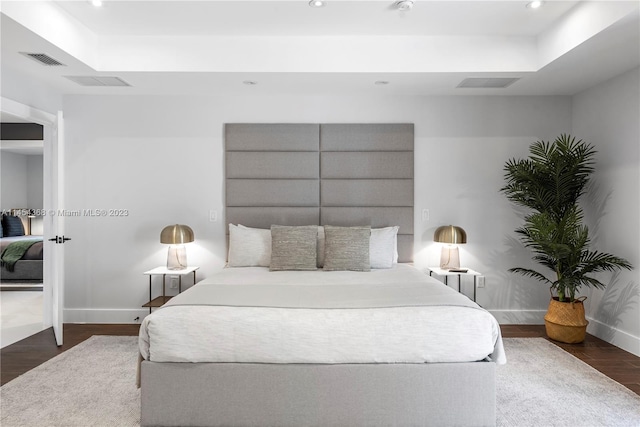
449,257
177,257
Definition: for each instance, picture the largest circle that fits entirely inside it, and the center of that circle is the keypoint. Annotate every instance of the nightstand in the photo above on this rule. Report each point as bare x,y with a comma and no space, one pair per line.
446,273
164,272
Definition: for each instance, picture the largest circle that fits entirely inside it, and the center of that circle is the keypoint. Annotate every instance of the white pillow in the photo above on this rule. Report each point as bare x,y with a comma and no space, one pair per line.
383,247
249,247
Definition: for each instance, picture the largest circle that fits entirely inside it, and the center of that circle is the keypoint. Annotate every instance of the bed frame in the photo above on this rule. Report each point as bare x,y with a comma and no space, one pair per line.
29,269
237,394
302,174
24,269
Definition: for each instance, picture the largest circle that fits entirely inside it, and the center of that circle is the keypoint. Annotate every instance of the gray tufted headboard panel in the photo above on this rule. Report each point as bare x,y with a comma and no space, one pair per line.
338,174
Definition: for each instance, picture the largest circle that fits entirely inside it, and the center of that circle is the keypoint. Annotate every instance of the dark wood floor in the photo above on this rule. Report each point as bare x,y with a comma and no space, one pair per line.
24,355
18,358
612,361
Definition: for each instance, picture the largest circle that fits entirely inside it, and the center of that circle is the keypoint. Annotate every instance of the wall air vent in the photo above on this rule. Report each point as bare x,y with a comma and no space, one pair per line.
488,83
43,59
103,81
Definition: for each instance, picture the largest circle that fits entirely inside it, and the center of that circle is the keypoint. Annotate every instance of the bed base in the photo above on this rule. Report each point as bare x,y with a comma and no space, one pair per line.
243,394
23,270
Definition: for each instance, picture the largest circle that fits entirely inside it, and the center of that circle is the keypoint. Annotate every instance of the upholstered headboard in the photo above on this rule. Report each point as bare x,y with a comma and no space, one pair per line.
337,174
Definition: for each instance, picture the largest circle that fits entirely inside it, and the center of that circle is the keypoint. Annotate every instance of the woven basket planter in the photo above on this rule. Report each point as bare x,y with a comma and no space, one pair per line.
565,321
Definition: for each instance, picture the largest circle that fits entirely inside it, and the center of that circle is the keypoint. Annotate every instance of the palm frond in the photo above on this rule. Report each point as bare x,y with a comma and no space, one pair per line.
530,273
550,183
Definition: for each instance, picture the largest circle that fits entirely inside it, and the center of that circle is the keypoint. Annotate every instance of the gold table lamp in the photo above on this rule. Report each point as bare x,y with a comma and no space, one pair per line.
451,235
176,236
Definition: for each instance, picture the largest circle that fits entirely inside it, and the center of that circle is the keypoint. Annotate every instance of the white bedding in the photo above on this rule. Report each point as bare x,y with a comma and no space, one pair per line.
293,317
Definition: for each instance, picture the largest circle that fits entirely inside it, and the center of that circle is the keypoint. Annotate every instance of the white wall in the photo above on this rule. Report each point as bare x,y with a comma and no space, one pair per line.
161,158
13,191
20,86
607,116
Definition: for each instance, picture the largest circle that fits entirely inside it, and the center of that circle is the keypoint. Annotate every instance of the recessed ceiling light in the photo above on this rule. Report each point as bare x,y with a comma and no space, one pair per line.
381,82
316,3
250,82
404,4
96,3
535,4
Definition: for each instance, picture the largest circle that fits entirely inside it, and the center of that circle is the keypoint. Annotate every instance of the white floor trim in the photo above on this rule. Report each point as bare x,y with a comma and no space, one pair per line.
92,315
519,317
614,336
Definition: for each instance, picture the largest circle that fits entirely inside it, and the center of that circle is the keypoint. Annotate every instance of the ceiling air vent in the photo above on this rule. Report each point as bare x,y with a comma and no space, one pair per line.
488,83
43,59
98,81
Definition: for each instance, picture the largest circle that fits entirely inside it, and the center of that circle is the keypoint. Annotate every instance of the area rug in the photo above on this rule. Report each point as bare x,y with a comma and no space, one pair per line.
93,384
543,385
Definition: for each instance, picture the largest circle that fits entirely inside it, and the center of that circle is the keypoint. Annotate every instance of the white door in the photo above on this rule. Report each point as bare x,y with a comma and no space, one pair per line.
53,172
57,237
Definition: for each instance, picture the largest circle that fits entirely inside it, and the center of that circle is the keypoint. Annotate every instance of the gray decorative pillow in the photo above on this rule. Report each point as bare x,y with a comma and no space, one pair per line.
293,248
347,248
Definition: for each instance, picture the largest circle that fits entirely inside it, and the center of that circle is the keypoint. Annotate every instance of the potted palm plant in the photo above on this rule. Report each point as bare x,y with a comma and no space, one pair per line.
550,183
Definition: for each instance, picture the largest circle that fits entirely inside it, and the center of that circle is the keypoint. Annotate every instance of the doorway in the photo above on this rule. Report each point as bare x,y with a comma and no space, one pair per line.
21,200
52,196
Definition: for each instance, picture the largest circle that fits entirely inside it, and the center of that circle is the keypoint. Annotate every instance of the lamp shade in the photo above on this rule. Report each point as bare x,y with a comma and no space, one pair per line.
450,234
176,234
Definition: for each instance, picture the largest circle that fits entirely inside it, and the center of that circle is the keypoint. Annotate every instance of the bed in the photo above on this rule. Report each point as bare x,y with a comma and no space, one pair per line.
253,347
29,266
334,342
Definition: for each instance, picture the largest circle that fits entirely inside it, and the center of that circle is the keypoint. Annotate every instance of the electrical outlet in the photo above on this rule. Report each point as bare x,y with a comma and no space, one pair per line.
174,283
425,214
213,216
480,281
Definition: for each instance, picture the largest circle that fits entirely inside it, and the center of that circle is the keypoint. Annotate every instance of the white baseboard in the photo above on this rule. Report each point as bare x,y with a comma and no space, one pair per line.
614,336
92,315
519,317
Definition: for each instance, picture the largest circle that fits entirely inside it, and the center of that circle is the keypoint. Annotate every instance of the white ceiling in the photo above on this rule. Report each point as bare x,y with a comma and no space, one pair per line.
287,47
296,18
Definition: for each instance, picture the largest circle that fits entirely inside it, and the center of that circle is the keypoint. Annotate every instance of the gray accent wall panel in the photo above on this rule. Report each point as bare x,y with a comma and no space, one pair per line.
366,137
405,247
271,137
282,165
272,192
263,217
329,174
375,217
367,164
366,192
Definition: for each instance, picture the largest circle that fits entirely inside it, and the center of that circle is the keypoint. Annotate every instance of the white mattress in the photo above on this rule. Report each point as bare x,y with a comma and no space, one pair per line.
252,315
